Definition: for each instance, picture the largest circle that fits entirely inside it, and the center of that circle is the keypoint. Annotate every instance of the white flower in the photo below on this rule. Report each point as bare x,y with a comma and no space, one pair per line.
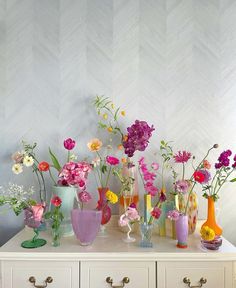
28,161
17,168
73,157
96,161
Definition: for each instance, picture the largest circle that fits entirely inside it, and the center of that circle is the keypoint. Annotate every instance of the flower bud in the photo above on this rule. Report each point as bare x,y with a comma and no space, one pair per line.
215,146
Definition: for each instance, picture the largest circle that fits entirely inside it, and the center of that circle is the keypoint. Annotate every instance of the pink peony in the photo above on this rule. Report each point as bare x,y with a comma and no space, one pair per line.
84,196
182,156
69,144
182,186
112,160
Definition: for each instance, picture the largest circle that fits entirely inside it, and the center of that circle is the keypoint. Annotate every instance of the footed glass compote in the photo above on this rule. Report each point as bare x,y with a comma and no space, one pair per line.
33,217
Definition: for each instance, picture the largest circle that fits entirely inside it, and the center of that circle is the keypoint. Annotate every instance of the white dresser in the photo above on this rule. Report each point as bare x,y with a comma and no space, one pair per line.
110,262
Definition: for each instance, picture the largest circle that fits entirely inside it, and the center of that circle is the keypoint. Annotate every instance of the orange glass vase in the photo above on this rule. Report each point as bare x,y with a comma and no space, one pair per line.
211,219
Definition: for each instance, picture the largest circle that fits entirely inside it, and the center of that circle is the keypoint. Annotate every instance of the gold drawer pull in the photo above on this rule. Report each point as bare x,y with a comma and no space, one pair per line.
202,281
124,281
33,281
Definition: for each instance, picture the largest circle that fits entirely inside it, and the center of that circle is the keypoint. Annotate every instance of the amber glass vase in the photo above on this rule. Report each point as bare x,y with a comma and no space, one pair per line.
211,218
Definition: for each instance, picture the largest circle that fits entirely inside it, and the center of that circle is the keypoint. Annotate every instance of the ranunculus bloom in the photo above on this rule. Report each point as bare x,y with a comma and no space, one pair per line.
111,197
84,196
156,212
112,160
206,164
199,176
182,186
94,145
182,156
34,215
173,215
43,166
69,144
56,201
207,176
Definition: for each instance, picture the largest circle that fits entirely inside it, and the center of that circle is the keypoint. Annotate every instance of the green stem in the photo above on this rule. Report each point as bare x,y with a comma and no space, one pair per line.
50,173
108,175
68,156
183,171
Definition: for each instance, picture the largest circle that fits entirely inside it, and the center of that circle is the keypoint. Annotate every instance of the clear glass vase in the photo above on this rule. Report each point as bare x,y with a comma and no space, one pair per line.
146,235
56,237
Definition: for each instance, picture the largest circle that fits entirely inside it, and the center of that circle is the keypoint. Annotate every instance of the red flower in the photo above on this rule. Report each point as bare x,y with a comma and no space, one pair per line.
43,166
199,176
182,156
112,160
156,212
56,201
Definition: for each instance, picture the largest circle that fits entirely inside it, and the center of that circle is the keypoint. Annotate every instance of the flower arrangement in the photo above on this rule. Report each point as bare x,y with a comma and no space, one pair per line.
56,216
223,171
17,197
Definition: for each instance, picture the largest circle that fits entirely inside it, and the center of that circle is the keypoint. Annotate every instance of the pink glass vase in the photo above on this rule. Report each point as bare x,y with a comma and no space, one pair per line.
86,224
181,226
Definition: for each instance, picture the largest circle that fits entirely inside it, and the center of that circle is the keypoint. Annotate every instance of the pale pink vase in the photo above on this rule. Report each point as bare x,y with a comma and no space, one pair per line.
181,226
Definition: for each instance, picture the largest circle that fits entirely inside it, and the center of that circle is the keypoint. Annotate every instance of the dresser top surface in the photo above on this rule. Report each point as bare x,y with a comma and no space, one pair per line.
113,247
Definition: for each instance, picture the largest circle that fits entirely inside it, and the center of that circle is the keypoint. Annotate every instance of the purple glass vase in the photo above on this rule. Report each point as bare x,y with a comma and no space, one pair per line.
181,226
86,224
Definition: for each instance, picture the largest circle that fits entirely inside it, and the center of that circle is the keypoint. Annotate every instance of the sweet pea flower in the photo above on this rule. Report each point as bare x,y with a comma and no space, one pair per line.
84,196
69,144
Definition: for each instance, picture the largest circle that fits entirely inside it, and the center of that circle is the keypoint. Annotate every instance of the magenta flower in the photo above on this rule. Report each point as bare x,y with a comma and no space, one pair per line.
138,137
223,159
207,176
155,166
151,189
182,186
173,215
182,156
162,197
156,212
84,196
69,144
112,160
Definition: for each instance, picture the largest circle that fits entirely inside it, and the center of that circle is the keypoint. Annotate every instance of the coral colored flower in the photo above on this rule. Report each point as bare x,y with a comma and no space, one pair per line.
182,186
156,212
18,157
43,166
155,166
28,161
120,147
199,176
206,164
182,156
84,196
122,113
207,233
56,201
124,160
17,168
111,197
112,160
94,145
173,215
110,129
38,210
69,144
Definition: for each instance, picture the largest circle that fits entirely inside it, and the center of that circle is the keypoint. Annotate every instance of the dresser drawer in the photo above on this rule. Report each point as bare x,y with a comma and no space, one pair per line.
16,274
217,274
140,274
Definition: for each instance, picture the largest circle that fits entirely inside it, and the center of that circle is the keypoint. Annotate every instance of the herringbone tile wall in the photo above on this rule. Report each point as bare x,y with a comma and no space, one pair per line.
171,62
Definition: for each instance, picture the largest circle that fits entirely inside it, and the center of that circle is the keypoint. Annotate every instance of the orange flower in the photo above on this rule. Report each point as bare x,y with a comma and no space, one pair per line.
122,113
125,138
109,129
120,147
94,145
206,164
124,160
43,166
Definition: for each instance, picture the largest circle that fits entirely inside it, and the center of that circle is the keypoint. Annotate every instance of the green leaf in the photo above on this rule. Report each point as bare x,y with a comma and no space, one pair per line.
116,113
54,161
233,180
104,169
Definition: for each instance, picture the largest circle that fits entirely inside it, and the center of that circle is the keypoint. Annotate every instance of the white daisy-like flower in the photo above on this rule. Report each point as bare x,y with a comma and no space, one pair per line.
28,161
17,168
96,162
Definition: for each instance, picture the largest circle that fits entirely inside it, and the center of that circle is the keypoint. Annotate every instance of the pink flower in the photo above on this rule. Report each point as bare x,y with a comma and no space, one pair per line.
149,176
155,166
123,221
17,157
151,189
206,164
69,144
182,186
173,215
132,214
34,215
112,160
156,212
56,201
84,196
182,156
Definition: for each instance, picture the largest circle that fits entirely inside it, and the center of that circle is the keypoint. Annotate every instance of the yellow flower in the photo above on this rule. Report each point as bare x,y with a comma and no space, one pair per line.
109,129
207,233
111,197
124,160
112,106
122,113
120,147
94,145
104,116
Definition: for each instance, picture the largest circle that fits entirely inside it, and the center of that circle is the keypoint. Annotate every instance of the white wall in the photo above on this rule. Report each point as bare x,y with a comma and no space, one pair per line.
170,62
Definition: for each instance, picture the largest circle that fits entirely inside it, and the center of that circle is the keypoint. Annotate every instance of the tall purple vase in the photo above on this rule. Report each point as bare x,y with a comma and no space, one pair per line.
181,226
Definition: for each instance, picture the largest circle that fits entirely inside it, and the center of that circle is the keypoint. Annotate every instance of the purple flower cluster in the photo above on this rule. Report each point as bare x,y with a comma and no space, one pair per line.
223,159
234,164
138,137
